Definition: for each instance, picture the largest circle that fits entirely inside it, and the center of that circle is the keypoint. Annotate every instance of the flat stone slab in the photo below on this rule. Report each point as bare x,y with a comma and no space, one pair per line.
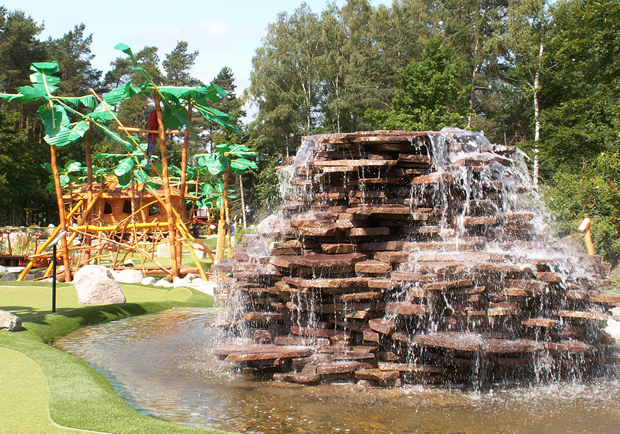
341,368
340,248
297,377
351,282
433,178
317,332
541,322
255,352
392,257
367,210
442,286
382,325
410,368
319,260
373,267
407,309
573,346
474,343
376,375
262,316
576,314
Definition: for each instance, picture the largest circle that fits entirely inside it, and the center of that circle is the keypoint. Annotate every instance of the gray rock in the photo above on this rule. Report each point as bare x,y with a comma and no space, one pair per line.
198,250
207,288
8,277
163,251
148,281
163,283
2,269
96,285
10,322
615,273
129,276
190,277
179,281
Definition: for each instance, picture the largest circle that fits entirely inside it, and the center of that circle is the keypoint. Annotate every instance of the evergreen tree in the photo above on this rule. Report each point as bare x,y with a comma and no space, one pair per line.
178,64
73,54
23,198
430,97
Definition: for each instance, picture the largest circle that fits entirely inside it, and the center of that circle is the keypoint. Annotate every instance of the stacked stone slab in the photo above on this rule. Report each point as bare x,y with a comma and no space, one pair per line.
412,257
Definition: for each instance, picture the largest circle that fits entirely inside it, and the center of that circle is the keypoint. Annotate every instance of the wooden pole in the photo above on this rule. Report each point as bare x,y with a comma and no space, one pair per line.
585,229
222,224
89,191
242,200
166,182
61,214
183,186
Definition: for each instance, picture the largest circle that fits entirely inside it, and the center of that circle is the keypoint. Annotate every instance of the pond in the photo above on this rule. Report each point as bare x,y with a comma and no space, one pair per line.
162,364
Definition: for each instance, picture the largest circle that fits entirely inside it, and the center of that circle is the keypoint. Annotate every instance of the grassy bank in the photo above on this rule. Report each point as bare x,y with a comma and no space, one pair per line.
46,390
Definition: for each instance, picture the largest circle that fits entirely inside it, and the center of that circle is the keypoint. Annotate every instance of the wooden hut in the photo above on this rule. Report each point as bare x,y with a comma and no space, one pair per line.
116,204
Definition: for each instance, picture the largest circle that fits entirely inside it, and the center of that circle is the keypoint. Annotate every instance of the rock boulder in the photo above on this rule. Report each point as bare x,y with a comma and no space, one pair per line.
10,322
163,250
95,285
8,277
129,276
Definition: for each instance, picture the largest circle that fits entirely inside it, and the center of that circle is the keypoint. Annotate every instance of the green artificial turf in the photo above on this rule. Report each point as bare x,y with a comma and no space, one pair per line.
24,403
79,397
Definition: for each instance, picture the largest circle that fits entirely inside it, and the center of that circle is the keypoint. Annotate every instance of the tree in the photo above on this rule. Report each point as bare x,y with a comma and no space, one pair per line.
72,52
222,161
528,24
230,104
133,111
430,97
19,47
579,119
475,29
178,64
22,180
579,104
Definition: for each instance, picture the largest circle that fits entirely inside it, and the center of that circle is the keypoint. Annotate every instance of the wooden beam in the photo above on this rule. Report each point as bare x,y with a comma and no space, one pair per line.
140,130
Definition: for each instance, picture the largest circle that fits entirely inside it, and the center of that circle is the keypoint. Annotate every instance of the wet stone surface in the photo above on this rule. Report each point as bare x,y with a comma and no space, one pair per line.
427,247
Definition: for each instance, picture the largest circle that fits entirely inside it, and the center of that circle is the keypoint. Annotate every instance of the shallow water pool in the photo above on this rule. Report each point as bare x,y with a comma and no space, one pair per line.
162,364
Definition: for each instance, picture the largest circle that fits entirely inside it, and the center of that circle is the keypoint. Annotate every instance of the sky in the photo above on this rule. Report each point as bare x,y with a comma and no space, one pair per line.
226,33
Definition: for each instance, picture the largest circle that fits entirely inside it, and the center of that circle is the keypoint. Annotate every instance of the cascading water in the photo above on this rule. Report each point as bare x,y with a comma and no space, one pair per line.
413,257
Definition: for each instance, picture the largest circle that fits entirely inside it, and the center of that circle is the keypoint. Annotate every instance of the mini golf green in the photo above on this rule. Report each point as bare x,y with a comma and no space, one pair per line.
45,390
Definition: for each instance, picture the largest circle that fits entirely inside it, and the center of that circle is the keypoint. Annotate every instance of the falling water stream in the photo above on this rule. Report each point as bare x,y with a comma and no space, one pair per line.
163,365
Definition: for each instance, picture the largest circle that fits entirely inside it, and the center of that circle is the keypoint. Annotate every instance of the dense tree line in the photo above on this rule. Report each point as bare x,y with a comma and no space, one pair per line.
544,76
540,75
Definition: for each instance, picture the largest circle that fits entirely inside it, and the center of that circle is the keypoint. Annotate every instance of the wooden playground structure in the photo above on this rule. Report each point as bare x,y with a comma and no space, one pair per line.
106,222
123,225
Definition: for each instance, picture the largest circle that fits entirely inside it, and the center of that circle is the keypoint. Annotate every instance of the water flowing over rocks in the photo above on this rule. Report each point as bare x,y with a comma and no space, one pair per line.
413,257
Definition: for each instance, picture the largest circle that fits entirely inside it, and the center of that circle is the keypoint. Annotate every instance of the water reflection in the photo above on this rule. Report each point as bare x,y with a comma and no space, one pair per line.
162,365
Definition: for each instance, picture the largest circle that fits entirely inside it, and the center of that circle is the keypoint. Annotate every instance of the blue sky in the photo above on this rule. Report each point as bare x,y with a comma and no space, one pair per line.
226,33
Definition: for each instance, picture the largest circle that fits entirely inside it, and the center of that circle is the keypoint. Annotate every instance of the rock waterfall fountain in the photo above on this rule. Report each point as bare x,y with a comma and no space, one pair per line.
412,258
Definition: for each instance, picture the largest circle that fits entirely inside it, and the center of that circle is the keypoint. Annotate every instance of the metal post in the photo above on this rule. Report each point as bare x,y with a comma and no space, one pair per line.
54,279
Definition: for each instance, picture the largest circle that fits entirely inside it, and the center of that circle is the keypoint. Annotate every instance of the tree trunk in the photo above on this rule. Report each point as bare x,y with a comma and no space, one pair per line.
61,215
166,183
537,112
